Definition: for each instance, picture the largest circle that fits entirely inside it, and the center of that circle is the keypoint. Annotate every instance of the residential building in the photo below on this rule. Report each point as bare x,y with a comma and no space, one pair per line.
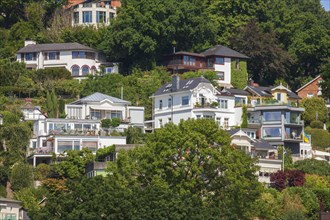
311,89
58,135
80,60
93,12
223,60
31,112
276,115
100,106
12,210
267,155
196,98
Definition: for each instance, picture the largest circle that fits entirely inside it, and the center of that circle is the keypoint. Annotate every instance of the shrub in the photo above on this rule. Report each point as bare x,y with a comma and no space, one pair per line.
21,176
320,137
316,124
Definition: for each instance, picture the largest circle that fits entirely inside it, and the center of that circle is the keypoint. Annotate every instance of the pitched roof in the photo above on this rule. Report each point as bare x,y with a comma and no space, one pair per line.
31,48
261,144
237,91
220,50
319,76
260,90
184,85
98,97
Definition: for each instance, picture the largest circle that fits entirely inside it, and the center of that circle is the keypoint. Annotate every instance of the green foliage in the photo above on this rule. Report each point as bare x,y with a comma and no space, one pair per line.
312,166
320,137
73,166
103,152
110,123
21,176
3,191
244,117
316,124
315,109
42,171
325,74
30,198
134,135
49,103
239,76
314,181
10,72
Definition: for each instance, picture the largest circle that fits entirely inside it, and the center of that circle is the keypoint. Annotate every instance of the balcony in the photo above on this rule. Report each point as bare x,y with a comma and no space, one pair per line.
294,122
41,150
293,137
206,105
74,132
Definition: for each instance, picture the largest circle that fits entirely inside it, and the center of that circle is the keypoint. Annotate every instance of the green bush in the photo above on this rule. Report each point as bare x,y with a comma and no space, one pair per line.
316,124
3,192
21,176
320,137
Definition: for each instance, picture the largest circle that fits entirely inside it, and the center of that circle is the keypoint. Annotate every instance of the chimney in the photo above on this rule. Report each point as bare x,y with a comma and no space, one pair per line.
28,42
175,82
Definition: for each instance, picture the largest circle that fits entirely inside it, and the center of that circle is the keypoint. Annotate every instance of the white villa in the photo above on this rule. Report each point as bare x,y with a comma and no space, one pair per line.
80,60
94,12
266,153
197,98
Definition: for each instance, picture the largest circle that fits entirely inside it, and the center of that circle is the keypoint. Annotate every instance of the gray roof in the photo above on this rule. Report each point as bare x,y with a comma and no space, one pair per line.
261,144
238,92
185,85
266,91
220,50
31,48
9,200
98,97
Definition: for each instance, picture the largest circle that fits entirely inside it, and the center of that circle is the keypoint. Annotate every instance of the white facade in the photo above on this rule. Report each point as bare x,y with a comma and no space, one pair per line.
79,60
100,106
202,101
32,113
268,161
12,209
223,72
93,13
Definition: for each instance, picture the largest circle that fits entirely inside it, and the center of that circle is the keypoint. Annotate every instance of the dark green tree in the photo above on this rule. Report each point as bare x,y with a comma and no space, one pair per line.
244,117
315,109
21,176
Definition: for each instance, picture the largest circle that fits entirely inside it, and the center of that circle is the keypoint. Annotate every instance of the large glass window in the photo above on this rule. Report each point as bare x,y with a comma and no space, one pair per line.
210,62
272,116
189,60
63,146
220,60
292,117
76,17
95,114
185,100
91,145
76,145
169,103
275,132
100,16
53,56
116,114
83,55
87,17
160,104
240,101
30,56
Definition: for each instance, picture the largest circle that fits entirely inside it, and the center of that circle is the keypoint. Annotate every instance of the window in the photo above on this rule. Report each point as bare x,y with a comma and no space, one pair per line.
185,100
198,116
108,70
278,96
75,70
160,123
160,104
223,103
85,70
210,62
218,121
220,75
30,56
220,60
226,123
237,64
100,16
240,101
87,5
63,146
95,114
111,16
116,114
76,145
310,95
83,55
275,132
271,116
169,102
169,120
76,17
87,17
91,145
208,116
189,60
53,56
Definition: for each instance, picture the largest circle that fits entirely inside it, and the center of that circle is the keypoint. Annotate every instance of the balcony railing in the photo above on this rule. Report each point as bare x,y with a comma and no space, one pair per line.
75,132
254,121
41,150
295,122
206,105
293,136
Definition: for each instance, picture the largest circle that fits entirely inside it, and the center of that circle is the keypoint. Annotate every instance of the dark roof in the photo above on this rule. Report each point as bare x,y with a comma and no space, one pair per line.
186,53
266,91
31,48
220,50
261,144
261,90
224,92
185,85
238,92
